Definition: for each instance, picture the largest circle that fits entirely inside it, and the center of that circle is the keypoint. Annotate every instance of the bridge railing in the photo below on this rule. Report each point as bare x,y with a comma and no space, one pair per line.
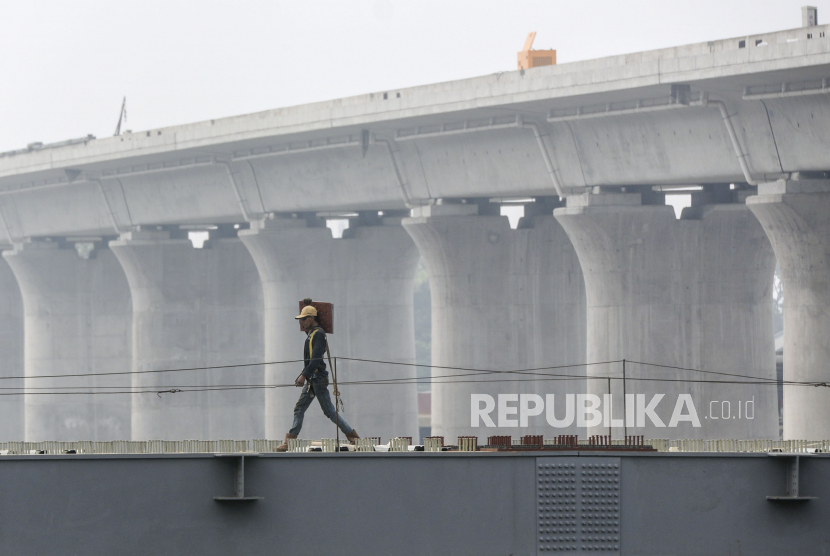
737,445
269,446
126,447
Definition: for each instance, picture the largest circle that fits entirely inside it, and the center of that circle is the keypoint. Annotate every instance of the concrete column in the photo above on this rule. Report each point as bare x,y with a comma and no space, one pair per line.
692,293
193,308
794,215
77,321
368,275
11,355
502,300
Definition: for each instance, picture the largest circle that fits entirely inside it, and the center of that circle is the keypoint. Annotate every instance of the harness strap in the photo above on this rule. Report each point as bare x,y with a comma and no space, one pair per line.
337,400
311,343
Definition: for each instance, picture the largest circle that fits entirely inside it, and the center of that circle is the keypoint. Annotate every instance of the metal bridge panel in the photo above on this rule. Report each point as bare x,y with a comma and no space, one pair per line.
578,505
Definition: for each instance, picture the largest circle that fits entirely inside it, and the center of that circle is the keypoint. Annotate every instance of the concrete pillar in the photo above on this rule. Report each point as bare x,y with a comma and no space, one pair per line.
794,215
11,355
368,275
692,293
77,321
502,300
193,308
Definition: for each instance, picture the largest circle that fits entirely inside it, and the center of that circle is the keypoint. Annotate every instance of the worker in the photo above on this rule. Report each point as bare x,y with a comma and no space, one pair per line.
314,379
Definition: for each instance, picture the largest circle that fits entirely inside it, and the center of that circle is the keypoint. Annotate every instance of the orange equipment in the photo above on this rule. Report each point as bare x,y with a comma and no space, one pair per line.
534,58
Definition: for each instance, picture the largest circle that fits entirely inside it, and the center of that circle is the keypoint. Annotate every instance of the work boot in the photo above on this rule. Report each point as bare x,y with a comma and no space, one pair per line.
352,436
284,446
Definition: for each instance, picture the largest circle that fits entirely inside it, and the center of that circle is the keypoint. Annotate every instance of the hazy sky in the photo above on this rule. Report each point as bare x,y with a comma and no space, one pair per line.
67,64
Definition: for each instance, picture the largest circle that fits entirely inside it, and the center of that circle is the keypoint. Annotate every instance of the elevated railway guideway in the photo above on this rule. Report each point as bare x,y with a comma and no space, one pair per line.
633,119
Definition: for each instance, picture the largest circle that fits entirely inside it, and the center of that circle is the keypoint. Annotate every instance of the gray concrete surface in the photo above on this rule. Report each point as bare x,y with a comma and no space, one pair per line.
462,504
794,216
77,320
11,348
144,176
193,308
693,293
502,300
368,276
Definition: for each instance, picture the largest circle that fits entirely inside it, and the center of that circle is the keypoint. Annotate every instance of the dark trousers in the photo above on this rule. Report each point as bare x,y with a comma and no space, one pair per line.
317,387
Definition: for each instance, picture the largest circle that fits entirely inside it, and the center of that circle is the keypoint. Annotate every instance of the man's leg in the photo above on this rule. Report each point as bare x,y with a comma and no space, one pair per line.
299,409
306,397
322,392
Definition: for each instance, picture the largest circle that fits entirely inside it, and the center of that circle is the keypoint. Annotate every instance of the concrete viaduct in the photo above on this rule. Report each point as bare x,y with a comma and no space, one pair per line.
102,279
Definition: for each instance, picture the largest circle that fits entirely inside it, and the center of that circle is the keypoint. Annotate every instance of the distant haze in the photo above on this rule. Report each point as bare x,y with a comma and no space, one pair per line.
66,65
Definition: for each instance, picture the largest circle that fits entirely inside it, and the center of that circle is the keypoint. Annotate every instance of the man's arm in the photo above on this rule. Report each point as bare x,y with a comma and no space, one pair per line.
318,352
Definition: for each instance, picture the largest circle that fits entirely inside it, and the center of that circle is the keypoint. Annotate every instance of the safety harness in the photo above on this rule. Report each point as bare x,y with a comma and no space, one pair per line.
338,402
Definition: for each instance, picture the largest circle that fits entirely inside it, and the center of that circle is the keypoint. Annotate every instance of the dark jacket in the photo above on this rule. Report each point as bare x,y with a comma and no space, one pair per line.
314,357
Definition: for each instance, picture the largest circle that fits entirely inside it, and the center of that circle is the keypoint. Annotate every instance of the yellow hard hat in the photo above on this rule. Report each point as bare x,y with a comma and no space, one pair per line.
308,311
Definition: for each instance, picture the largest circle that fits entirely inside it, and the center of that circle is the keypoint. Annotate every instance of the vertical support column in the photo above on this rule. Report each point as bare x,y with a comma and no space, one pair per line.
502,300
368,275
794,217
687,294
11,355
77,321
193,308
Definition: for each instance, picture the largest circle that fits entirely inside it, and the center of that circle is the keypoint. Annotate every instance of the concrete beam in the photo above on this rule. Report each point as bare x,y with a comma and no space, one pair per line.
457,145
725,64
656,148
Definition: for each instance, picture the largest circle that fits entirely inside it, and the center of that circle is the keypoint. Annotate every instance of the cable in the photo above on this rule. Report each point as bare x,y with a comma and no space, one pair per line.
699,370
182,389
567,366
294,361
402,380
479,370
154,371
475,370
540,376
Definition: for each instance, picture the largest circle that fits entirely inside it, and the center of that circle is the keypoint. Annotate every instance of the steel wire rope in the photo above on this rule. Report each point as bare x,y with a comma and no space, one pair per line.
481,370
573,365
376,381
75,375
755,380
175,390
373,381
392,381
699,370
488,371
